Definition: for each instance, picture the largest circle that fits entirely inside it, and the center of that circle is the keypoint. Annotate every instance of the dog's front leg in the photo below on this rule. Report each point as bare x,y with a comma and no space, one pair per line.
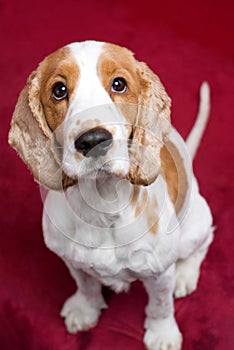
162,332
82,310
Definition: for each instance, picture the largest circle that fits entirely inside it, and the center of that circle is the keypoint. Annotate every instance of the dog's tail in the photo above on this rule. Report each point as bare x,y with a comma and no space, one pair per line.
195,135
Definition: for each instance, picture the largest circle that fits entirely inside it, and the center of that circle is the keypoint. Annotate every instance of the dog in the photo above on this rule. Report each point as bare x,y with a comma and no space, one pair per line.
93,126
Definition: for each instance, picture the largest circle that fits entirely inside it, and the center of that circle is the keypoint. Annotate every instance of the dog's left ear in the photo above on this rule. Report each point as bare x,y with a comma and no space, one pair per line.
31,137
151,128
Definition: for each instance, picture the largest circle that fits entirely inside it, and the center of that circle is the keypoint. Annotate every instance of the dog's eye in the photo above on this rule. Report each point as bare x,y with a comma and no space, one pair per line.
119,85
59,91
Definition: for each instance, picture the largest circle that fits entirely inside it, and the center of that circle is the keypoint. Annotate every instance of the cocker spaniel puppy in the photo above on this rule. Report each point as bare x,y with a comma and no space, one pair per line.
93,126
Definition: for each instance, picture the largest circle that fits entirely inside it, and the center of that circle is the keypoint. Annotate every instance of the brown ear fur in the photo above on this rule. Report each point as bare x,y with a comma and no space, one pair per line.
151,128
32,139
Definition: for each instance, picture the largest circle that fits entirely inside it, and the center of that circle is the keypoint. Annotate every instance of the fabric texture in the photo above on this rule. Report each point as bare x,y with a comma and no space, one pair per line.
184,43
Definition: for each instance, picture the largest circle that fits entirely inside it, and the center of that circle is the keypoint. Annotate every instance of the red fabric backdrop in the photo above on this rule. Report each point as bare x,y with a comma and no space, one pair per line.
185,43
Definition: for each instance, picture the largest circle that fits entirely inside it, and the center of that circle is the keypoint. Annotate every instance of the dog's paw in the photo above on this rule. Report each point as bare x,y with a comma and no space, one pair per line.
79,314
184,286
186,279
78,320
162,335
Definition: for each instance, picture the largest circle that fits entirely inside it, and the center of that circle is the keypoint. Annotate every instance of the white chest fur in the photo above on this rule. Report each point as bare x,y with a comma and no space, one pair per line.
95,229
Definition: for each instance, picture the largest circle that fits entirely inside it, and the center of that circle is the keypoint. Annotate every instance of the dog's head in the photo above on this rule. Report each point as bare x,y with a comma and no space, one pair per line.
91,107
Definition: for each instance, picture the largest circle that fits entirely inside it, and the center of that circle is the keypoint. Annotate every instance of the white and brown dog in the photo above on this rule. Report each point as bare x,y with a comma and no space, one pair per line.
93,126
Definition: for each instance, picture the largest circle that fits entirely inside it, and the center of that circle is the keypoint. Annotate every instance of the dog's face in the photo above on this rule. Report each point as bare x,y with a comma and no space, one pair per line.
91,108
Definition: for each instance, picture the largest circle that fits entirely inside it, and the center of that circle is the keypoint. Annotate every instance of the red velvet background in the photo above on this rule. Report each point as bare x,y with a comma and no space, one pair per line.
185,42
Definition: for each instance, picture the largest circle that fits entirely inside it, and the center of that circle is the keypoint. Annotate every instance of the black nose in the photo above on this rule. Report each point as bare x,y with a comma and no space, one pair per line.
94,143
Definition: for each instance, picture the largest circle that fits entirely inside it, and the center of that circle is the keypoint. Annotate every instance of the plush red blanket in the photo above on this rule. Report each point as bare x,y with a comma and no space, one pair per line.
185,42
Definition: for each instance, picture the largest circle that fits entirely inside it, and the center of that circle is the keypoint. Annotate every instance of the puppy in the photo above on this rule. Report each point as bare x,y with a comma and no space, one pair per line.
93,126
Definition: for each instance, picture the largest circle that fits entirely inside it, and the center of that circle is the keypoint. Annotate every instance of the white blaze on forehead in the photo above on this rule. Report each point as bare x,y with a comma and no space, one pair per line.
91,101
90,91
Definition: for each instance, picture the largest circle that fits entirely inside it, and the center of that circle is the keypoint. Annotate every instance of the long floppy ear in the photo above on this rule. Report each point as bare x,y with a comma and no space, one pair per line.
151,128
31,137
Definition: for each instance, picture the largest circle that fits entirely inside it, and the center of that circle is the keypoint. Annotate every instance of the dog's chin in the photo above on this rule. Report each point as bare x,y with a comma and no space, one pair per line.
104,173
97,169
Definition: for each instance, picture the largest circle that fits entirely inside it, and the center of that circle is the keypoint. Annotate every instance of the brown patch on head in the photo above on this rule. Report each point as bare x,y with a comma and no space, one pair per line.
118,62
33,139
175,175
57,67
145,105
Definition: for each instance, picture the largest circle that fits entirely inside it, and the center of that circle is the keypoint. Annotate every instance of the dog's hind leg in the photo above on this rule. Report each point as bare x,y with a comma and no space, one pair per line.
188,269
196,237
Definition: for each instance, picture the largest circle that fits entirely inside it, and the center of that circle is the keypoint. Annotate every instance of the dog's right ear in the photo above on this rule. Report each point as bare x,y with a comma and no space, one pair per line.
151,127
31,137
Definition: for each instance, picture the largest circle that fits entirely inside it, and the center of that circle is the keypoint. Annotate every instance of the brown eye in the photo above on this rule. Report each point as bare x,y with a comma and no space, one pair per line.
119,85
59,91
